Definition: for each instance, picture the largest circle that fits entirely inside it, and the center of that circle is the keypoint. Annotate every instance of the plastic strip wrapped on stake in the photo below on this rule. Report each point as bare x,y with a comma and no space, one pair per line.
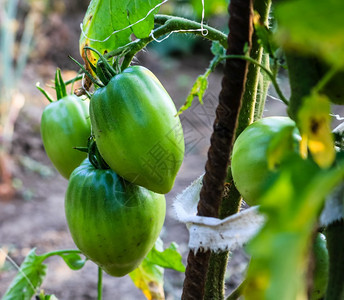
214,234
206,233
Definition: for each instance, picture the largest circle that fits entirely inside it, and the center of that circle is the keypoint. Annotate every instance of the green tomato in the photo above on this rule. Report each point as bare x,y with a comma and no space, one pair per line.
249,163
137,130
321,267
66,124
112,221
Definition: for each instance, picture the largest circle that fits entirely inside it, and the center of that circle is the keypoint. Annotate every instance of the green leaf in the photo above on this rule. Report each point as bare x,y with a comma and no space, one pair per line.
138,10
73,260
265,37
217,49
106,24
280,252
201,84
149,276
29,278
43,296
314,27
198,89
170,258
314,121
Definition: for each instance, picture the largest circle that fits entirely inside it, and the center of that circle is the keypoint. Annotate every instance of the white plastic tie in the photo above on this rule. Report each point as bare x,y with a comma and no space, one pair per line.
206,233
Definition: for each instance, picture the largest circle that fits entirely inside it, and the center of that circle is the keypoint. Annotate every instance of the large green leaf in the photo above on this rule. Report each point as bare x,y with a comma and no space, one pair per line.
280,252
313,26
106,23
29,278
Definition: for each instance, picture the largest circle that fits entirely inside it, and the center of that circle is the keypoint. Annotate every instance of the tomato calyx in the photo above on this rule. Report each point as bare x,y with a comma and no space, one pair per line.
103,69
93,154
60,88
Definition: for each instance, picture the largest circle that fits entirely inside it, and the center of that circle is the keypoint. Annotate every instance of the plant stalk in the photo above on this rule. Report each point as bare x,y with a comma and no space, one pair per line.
100,283
227,113
170,24
248,110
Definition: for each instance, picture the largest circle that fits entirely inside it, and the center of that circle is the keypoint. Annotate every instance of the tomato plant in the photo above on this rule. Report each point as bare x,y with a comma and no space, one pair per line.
65,125
137,131
112,221
250,157
287,165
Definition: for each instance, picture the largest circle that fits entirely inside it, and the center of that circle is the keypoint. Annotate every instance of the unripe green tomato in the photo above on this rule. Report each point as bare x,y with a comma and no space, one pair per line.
249,163
65,124
137,130
112,221
321,268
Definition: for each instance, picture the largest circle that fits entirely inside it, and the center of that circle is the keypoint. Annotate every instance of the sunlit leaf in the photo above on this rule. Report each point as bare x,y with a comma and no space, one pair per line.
198,89
148,277
314,27
314,122
280,252
29,278
170,258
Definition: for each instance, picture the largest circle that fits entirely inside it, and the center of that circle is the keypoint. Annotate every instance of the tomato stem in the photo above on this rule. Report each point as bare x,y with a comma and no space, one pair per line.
237,292
88,74
58,252
95,157
169,24
108,67
251,96
73,80
266,70
100,283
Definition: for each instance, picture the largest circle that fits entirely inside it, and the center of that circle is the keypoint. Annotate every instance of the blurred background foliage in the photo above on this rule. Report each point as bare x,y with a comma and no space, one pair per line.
215,14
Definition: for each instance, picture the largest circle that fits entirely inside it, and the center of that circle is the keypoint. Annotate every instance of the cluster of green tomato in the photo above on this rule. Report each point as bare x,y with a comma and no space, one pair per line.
115,204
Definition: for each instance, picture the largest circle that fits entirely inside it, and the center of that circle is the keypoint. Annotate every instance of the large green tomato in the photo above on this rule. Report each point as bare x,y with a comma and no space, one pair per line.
249,163
137,130
113,222
66,124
